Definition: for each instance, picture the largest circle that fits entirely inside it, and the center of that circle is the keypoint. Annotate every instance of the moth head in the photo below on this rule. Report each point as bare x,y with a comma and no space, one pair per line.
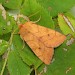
20,26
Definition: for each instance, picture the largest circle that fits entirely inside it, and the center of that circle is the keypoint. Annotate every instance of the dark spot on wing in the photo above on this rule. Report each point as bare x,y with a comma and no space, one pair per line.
48,34
39,48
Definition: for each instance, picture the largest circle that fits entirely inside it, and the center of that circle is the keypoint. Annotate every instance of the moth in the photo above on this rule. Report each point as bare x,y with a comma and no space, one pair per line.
41,40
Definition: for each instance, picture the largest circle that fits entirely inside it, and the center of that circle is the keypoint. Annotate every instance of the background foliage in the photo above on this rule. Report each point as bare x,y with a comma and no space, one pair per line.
16,58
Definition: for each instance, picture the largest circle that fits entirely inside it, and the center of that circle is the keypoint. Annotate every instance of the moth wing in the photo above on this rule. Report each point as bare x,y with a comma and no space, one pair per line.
41,51
49,37
41,40
53,39
44,53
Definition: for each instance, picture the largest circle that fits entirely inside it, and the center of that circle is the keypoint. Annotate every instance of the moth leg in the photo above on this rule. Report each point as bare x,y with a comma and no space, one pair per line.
23,44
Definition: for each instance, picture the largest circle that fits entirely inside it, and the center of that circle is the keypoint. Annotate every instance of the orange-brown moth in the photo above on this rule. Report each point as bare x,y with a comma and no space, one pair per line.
41,40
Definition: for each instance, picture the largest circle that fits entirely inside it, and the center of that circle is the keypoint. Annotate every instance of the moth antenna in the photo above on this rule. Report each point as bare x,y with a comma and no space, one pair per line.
37,20
25,17
34,14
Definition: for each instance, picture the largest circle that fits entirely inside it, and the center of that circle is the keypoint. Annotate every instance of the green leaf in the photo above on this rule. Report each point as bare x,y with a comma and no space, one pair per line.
5,24
67,23
25,52
12,4
1,63
16,66
34,11
3,46
5,37
64,61
57,6
40,69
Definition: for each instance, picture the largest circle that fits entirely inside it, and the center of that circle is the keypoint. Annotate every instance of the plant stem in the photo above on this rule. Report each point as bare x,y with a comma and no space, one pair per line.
9,48
5,63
